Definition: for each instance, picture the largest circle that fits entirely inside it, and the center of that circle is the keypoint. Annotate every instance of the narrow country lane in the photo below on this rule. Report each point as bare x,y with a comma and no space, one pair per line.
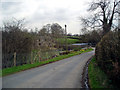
65,73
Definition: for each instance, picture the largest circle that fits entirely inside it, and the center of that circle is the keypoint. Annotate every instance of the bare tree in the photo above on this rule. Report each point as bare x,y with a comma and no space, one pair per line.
103,15
56,30
15,42
119,17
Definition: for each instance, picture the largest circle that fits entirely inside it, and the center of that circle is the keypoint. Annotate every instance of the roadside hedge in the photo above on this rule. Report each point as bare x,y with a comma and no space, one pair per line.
108,56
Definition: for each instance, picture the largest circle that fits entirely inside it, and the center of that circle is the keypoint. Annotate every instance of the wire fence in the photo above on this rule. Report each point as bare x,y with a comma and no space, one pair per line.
17,59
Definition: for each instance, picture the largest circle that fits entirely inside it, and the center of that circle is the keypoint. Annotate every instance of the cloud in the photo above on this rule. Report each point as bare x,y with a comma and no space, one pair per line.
41,12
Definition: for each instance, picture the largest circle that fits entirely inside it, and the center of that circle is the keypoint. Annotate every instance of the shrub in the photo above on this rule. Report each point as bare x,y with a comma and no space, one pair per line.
107,56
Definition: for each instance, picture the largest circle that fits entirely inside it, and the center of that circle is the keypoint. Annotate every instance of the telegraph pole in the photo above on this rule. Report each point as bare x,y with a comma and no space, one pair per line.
66,38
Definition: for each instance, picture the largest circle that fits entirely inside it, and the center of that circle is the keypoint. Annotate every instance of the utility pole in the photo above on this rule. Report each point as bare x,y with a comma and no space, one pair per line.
66,38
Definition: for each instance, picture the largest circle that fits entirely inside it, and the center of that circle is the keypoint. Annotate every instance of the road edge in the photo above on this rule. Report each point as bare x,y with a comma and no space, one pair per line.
43,64
85,78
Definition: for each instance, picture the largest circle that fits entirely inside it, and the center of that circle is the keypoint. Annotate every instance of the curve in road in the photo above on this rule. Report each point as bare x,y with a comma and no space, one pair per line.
65,73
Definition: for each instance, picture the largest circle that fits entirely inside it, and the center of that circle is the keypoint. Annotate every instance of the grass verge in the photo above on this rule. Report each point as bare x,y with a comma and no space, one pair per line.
97,78
15,69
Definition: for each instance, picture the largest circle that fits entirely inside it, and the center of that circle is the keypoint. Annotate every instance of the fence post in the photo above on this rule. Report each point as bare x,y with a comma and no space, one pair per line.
39,56
31,58
14,58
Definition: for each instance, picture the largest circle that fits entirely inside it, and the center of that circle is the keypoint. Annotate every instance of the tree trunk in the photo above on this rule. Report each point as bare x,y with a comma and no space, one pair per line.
106,28
14,58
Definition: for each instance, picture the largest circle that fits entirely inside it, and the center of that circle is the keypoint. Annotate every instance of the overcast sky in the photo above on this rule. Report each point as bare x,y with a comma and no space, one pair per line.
41,12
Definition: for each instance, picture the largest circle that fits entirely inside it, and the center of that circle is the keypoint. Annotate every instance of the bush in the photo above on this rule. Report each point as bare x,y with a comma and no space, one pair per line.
15,40
107,55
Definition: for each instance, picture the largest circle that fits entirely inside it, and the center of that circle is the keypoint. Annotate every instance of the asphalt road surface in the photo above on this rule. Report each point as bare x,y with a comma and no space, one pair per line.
65,73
